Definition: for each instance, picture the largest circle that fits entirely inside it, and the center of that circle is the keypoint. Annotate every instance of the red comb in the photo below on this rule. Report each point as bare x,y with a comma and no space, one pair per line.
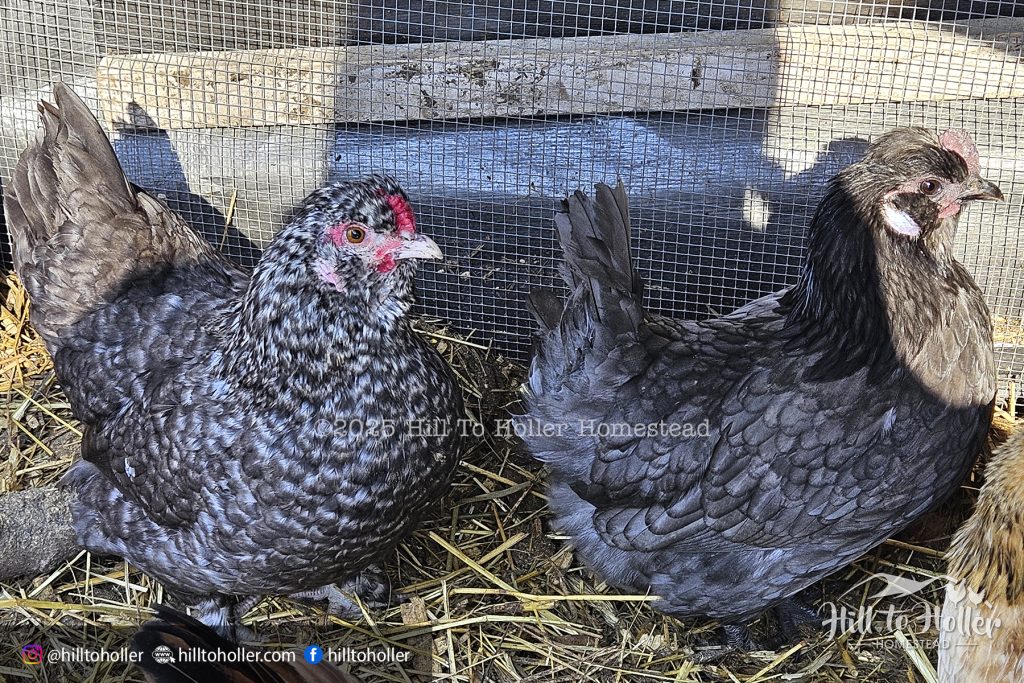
958,141
405,221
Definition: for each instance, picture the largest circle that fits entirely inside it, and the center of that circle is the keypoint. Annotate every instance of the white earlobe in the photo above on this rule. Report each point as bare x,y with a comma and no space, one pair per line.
901,222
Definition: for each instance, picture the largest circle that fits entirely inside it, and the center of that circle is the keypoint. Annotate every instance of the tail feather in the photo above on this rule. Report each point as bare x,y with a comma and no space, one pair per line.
606,294
71,165
201,656
79,230
595,238
546,307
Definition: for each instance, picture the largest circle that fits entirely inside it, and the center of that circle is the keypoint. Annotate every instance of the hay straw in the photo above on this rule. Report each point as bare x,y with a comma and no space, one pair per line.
229,216
23,356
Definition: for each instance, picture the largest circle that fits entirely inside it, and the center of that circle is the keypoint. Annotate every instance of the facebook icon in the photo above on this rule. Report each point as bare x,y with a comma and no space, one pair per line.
314,654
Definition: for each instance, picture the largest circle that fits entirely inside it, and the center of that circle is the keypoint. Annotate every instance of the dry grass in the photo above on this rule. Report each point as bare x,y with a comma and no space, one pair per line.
494,596
1007,330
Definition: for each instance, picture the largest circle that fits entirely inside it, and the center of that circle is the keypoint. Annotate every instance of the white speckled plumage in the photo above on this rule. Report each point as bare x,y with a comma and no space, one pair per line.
219,453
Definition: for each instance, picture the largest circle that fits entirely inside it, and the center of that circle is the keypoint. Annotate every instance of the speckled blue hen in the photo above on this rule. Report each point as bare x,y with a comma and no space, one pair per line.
245,434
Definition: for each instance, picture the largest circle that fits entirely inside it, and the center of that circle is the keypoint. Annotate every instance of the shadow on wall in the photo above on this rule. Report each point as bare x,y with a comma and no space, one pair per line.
151,162
747,241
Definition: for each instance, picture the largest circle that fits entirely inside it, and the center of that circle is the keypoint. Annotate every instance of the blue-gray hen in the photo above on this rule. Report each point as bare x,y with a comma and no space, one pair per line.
245,434
727,464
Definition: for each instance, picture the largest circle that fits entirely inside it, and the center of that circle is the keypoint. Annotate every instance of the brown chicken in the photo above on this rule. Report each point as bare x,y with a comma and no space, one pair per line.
982,625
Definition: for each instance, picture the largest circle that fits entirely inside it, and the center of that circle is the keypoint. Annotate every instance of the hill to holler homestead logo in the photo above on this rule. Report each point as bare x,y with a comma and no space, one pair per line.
879,615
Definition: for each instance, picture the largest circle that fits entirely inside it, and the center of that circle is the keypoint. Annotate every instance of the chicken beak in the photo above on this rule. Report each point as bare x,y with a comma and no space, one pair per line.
979,188
419,247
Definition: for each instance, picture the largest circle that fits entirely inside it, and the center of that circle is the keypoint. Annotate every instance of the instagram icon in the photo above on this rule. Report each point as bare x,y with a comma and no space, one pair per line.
32,654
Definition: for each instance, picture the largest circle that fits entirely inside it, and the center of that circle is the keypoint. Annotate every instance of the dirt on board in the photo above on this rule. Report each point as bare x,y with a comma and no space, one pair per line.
493,594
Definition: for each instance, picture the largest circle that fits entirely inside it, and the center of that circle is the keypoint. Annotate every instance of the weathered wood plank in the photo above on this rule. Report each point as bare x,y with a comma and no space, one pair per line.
784,66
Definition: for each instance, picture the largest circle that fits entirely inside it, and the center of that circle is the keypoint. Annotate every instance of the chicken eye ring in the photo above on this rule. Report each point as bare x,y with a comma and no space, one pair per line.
355,234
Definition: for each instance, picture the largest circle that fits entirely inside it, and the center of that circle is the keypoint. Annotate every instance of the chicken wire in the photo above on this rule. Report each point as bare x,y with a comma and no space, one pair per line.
444,96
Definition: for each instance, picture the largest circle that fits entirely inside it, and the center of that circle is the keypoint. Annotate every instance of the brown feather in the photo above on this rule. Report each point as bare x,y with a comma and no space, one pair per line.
986,569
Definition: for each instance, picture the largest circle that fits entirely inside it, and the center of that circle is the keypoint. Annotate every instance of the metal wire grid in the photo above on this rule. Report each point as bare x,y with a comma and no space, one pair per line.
721,197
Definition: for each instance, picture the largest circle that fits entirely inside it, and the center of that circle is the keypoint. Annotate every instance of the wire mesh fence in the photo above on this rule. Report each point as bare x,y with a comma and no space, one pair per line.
724,120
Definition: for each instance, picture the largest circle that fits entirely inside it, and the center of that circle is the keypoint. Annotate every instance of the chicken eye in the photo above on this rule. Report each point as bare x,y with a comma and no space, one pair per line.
929,187
355,235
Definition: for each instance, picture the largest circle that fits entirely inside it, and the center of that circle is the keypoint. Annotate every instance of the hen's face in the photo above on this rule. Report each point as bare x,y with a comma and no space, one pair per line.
925,180
366,235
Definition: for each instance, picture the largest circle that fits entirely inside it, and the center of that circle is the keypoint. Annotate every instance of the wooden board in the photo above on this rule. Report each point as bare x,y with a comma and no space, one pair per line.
785,66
